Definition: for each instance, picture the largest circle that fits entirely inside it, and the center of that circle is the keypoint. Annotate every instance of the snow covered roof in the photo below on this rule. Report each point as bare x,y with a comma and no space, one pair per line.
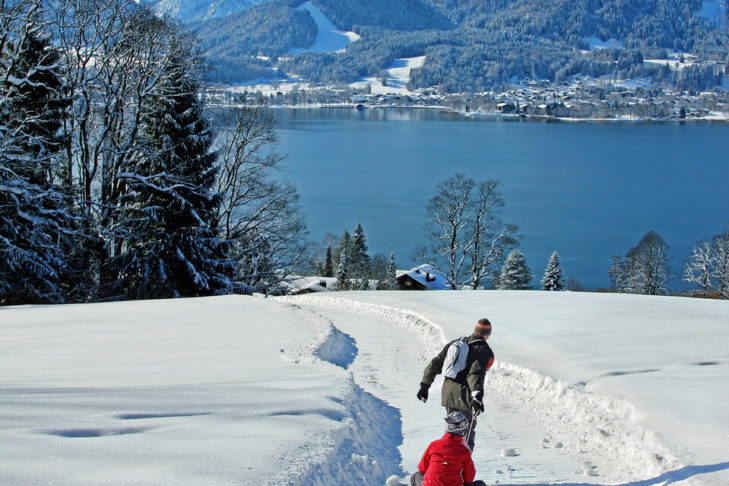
427,276
301,285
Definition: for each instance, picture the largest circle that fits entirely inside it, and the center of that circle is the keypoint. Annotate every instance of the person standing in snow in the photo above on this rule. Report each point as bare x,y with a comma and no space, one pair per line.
464,393
447,461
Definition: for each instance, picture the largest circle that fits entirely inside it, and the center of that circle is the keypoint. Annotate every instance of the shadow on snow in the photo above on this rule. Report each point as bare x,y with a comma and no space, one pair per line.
664,479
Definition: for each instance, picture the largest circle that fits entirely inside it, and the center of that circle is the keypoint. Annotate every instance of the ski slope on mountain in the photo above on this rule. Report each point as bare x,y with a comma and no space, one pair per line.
328,37
320,389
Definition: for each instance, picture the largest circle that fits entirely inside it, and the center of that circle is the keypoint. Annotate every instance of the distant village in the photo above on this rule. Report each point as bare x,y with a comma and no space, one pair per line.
583,98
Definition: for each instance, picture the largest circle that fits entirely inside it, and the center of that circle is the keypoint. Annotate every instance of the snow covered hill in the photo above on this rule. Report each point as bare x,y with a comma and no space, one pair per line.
320,389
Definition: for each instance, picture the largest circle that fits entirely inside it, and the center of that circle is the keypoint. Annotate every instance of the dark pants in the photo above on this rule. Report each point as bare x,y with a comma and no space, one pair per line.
417,480
472,424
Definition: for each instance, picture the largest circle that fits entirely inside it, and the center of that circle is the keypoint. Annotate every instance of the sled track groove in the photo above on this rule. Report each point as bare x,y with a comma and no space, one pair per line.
363,450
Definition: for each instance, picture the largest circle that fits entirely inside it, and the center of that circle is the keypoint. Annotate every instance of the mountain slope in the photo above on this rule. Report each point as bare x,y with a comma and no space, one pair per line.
188,11
472,45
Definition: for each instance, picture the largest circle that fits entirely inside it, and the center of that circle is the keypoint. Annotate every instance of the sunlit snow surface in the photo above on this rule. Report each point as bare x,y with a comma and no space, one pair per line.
320,389
396,77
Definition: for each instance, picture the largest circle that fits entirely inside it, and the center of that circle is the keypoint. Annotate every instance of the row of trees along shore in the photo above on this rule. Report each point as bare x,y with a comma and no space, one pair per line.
114,182
645,268
471,246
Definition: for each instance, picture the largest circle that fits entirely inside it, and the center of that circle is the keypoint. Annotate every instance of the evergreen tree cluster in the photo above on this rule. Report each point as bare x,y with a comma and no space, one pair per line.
111,186
355,268
402,15
271,29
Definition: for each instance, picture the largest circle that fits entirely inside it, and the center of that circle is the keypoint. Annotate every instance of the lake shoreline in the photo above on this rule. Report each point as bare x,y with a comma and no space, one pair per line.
717,117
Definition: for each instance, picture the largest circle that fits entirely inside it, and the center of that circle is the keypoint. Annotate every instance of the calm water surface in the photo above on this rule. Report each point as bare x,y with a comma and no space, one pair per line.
588,190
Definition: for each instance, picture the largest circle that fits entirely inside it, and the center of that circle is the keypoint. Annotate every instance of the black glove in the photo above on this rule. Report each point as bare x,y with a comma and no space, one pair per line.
477,402
423,393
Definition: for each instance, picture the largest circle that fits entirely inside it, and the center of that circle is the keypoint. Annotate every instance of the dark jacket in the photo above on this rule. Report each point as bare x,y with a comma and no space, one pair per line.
447,462
456,393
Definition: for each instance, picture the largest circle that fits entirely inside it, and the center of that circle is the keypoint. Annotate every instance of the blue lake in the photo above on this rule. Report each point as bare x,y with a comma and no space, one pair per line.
588,190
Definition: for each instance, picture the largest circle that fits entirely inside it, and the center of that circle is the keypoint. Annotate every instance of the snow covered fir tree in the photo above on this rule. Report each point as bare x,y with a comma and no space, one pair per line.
35,213
328,270
515,274
360,262
553,279
343,282
172,248
392,273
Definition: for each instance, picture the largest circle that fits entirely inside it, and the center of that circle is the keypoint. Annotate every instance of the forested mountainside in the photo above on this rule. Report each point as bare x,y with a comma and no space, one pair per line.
474,45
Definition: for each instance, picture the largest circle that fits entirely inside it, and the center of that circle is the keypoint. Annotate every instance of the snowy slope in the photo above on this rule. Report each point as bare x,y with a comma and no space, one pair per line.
397,76
328,37
319,389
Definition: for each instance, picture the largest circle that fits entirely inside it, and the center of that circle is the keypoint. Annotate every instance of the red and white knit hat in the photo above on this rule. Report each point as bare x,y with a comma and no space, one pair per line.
483,328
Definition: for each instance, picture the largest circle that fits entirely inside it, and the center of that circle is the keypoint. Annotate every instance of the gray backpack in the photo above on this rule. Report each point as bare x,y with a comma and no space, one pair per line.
456,356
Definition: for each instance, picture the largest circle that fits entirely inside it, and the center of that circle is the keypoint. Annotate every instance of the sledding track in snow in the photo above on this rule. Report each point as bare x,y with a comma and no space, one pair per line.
364,449
535,430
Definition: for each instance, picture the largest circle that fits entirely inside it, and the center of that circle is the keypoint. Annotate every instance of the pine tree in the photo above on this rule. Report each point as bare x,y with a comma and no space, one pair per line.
34,212
343,272
173,249
344,245
328,264
391,273
515,274
360,261
553,279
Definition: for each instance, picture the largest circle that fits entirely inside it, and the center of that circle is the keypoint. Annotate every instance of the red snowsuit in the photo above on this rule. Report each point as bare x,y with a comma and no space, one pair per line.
447,462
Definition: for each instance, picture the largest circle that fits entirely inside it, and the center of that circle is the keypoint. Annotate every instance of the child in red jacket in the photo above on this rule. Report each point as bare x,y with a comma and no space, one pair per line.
447,461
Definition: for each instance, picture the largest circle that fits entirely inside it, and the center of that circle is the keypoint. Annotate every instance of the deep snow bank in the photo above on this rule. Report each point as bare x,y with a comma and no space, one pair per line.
605,431
364,450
